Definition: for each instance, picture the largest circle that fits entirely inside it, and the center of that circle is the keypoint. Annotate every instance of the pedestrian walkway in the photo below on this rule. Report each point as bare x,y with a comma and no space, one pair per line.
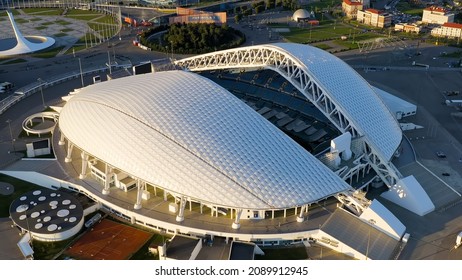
9,249
439,192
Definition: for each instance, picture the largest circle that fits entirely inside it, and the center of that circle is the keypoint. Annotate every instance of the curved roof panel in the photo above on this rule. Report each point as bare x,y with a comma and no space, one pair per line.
356,99
188,135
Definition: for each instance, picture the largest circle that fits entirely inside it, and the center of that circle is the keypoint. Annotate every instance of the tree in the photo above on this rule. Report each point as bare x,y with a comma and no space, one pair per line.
194,38
238,18
259,9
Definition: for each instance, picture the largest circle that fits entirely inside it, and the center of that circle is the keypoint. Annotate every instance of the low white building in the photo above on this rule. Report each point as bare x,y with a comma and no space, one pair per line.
437,15
448,30
407,27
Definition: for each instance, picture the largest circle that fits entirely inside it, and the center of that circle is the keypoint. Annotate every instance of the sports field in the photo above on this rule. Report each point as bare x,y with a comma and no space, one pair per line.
108,240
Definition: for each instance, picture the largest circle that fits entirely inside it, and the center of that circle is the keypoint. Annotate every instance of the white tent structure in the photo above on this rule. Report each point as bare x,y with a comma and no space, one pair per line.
194,139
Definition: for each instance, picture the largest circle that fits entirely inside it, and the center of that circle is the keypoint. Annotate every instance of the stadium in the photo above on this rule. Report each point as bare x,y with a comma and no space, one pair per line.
250,148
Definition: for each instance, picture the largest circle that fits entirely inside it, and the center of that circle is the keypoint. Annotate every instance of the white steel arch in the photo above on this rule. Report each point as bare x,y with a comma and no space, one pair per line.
343,96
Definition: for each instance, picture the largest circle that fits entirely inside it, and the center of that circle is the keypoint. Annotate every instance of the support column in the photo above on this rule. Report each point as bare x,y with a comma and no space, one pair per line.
70,146
138,195
83,173
272,214
236,224
300,217
180,216
61,140
165,195
108,175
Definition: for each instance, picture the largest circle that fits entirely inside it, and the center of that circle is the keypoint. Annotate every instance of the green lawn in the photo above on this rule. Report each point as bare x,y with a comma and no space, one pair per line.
43,11
66,30
3,13
102,29
89,37
322,46
20,188
48,250
318,33
105,19
407,9
84,17
143,253
317,6
76,48
48,53
62,22
79,12
20,20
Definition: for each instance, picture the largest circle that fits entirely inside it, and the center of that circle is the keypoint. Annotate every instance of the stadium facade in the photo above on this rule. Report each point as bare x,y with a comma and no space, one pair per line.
178,138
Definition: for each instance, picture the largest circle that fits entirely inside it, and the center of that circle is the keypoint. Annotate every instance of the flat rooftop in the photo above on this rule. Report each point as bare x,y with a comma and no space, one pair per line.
181,247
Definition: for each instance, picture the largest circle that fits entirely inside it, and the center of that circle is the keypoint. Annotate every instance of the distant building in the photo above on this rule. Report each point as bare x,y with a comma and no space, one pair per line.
437,15
407,27
351,8
185,15
374,17
448,30
301,15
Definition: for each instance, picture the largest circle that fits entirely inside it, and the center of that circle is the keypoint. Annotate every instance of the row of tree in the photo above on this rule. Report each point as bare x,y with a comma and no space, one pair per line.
192,38
260,6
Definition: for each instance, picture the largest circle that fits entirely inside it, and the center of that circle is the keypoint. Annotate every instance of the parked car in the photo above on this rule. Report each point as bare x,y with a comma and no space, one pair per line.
440,154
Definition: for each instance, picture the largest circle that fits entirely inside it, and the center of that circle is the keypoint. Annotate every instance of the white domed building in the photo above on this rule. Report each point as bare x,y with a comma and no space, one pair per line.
196,141
301,15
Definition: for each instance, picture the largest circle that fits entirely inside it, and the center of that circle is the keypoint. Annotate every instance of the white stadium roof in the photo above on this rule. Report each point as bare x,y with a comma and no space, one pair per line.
188,135
356,98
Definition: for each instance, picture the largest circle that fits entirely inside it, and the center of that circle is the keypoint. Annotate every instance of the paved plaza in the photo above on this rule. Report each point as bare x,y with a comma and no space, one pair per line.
66,30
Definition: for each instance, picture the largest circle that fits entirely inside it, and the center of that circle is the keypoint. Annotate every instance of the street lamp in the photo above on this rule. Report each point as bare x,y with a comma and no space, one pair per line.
11,135
41,91
371,223
81,74
109,62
